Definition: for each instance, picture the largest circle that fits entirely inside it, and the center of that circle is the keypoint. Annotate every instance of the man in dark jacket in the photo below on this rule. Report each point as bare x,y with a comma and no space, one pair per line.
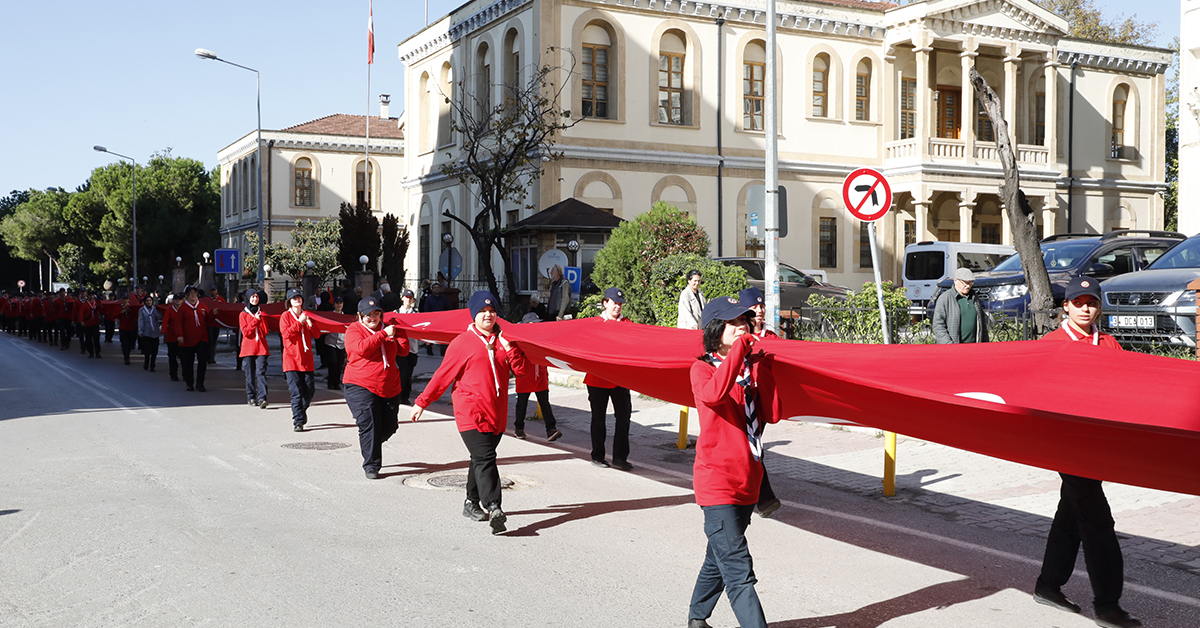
958,316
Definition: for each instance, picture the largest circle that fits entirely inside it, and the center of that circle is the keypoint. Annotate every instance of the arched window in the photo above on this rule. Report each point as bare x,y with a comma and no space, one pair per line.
483,80
442,97
754,69
245,186
363,178
303,182
820,86
597,46
428,110
862,91
672,59
512,62
1118,144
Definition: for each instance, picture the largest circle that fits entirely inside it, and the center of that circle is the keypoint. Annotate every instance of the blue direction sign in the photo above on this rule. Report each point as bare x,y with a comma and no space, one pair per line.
227,261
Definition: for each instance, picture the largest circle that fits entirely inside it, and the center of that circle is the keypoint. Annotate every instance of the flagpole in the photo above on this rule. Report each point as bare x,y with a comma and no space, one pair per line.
370,60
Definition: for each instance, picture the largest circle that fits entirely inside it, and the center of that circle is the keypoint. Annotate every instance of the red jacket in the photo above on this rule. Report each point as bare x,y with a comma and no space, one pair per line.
592,380
480,394
89,313
191,323
127,320
537,380
169,332
67,309
371,359
50,310
254,334
725,471
1062,334
36,308
297,343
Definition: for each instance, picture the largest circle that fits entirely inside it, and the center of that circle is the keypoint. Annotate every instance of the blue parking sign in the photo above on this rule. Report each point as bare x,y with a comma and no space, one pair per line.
574,276
227,261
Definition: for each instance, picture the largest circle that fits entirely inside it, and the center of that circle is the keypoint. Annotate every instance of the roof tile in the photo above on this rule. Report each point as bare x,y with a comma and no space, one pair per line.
352,126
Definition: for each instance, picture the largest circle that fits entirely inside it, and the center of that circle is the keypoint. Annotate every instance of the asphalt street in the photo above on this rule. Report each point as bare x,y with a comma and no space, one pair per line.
127,501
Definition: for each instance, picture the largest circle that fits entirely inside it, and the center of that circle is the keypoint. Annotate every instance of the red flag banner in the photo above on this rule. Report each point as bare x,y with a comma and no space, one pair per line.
370,33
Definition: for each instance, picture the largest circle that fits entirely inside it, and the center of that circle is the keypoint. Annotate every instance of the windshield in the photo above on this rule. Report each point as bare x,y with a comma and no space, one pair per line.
790,275
1186,254
1056,255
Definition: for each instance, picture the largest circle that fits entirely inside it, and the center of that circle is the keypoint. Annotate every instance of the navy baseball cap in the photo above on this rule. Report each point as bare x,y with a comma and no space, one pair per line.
1080,286
368,305
722,309
293,293
480,300
615,295
750,297
407,293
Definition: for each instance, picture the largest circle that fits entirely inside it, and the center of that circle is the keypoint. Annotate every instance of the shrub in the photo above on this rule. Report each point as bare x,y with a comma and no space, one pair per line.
857,318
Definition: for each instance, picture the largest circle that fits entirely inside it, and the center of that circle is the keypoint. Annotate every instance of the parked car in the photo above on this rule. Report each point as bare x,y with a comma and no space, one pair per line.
1067,256
1154,306
795,287
926,264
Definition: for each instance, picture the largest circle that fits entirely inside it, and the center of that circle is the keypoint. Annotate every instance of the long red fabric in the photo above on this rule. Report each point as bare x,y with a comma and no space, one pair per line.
1111,415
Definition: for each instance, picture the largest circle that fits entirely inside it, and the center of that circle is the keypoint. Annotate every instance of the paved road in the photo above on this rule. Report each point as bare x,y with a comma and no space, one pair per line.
129,502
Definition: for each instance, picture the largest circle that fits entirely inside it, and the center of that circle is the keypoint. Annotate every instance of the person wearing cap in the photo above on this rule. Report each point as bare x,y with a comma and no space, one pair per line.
691,302
1083,518
477,363
127,324
296,331
89,319
407,363
601,391
149,331
752,299
253,350
371,381
191,332
170,322
66,320
728,470
335,350
958,316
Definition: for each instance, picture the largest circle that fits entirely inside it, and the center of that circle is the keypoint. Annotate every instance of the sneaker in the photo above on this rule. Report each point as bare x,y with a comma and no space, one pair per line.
472,511
553,436
251,402
1116,618
520,434
600,463
372,474
698,623
191,388
622,465
497,518
201,388
297,428
765,510
1055,598
263,404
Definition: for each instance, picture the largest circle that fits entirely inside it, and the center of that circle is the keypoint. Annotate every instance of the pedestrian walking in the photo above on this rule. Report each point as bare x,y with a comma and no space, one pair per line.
372,381
958,315
691,302
170,321
1083,518
66,321
536,383
728,468
127,325
477,362
191,332
89,318
560,294
149,331
407,363
436,301
752,299
296,331
600,392
335,350
253,349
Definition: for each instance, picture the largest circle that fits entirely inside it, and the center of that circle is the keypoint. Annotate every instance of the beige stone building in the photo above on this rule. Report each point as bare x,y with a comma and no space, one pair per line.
308,171
670,94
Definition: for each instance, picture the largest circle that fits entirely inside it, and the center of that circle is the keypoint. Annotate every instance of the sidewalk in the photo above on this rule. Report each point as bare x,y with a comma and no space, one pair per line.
959,486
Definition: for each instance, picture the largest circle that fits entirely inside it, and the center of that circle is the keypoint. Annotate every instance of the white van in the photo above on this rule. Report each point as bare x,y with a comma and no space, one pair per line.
927,263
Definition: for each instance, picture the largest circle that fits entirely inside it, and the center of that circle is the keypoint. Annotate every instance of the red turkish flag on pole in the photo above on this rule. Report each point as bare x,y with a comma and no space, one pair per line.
371,33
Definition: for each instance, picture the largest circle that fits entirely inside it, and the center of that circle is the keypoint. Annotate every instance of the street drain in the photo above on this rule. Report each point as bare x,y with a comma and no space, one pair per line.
457,481
315,445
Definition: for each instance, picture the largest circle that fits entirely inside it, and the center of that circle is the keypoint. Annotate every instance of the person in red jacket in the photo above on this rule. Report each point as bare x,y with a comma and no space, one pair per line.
600,391
66,320
37,315
127,324
191,332
89,318
371,381
477,364
254,349
538,384
752,299
296,331
728,469
170,333
50,306
1083,517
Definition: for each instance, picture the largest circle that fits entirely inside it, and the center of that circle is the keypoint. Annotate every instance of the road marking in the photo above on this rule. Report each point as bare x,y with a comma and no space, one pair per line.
88,381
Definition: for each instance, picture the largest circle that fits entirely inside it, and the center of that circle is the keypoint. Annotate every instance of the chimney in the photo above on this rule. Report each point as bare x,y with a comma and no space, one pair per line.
384,101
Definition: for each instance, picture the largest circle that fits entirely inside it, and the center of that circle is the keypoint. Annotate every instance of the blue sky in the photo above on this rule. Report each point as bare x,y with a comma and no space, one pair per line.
122,74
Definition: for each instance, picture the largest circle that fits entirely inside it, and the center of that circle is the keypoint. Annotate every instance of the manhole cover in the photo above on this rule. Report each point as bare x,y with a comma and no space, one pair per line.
316,445
460,481
457,481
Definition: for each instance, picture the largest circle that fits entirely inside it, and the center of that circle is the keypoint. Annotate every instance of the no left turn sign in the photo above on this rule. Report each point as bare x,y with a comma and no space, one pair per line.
867,194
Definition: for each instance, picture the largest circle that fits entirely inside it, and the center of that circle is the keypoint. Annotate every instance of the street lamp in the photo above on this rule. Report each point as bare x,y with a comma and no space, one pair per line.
101,149
206,256
362,259
448,239
208,54
178,261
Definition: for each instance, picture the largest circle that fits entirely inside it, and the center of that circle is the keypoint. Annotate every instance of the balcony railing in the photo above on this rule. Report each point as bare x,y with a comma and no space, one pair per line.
901,149
946,149
943,149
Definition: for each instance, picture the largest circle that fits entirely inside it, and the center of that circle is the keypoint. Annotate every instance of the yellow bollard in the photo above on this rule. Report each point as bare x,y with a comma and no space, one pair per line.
537,412
683,419
889,464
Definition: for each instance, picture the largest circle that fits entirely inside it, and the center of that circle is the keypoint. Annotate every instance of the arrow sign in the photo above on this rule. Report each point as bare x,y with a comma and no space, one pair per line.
867,194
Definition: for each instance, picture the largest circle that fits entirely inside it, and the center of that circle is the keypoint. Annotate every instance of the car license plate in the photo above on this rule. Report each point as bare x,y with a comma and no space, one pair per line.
1131,322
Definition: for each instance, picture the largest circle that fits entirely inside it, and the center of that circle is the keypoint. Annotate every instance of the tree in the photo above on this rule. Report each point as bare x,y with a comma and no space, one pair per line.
395,247
317,241
10,270
36,229
1087,21
360,236
503,146
637,246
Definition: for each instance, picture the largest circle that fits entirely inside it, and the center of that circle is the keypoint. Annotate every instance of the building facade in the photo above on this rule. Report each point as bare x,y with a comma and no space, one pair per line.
669,95
309,170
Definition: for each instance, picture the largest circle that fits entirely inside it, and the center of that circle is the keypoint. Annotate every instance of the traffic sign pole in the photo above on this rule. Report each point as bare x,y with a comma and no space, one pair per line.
771,230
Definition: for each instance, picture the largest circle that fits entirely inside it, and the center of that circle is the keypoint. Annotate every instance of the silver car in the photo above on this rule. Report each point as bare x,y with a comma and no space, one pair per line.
1154,306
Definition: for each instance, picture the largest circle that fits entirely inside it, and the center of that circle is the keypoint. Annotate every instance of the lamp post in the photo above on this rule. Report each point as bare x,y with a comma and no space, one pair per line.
208,54
101,149
362,259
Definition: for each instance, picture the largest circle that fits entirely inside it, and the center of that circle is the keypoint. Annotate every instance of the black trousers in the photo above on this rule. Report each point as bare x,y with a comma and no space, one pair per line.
336,360
149,352
91,340
622,409
64,333
543,399
109,328
173,359
195,362
1084,518
483,476
255,367
407,365
213,334
81,333
377,420
302,385
128,341
35,329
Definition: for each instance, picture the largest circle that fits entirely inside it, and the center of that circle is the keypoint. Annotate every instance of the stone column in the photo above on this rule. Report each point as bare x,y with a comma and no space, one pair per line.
1051,73
1006,236
921,210
967,101
966,213
924,97
1049,215
1010,94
